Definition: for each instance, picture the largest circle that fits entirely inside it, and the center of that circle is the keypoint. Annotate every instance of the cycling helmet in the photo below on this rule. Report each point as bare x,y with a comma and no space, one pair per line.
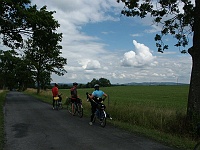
96,85
75,83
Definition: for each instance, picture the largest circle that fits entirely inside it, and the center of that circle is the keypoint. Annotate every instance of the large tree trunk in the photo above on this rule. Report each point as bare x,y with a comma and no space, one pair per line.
38,87
193,110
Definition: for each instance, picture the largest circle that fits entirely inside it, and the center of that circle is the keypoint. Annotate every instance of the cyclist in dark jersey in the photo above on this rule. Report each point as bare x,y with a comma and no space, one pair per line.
73,90
74,94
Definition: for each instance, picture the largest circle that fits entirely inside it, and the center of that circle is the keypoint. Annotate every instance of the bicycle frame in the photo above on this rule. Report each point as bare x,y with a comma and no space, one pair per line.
58,102
75,108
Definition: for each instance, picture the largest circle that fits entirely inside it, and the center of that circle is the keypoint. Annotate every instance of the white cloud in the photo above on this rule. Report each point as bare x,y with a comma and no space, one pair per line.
136,35
90,64
88,57
140,57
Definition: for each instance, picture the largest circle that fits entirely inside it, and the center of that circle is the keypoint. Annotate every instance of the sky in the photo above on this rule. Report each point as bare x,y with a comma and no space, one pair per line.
99,42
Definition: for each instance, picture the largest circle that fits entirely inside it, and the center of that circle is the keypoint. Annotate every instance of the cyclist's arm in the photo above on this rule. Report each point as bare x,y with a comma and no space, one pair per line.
105,96
91,96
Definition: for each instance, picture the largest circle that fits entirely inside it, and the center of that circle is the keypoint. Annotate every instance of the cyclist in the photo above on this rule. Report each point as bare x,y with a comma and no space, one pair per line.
74,94
98,96
54,93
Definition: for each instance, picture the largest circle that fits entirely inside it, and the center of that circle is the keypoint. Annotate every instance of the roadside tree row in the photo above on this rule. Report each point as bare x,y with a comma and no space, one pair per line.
34,32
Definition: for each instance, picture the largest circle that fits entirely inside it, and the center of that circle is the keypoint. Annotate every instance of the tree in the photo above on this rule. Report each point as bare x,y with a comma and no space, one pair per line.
43,49
14,72
180,24
8,60
45,79
24,75
13,21
18,21
93,82
102,82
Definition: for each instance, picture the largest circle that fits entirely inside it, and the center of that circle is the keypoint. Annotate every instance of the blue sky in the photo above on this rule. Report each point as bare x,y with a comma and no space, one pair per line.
99,42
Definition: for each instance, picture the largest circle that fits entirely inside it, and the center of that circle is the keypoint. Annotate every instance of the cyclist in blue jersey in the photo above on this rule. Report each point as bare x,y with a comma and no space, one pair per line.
98,96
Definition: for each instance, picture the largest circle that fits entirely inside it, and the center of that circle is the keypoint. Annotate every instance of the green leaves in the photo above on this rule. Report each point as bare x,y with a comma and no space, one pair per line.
13,21
14,72
166,13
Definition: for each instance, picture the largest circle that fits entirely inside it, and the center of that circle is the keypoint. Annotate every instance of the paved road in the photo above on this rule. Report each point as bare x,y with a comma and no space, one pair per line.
32,125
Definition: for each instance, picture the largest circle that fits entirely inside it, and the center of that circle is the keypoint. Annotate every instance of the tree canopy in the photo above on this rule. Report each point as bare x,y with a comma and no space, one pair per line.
13,21
102,82
14,72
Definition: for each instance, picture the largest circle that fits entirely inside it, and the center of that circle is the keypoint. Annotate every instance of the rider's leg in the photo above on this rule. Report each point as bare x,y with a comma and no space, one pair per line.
93,110
72,103
53,103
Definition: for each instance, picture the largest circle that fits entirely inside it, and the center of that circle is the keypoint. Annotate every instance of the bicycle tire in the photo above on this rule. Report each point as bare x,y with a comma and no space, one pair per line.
94,119
56,105
60,105
80,110
69,108
103,120
197,146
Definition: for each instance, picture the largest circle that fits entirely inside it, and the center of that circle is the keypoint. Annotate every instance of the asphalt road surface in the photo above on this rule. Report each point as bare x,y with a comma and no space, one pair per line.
32,125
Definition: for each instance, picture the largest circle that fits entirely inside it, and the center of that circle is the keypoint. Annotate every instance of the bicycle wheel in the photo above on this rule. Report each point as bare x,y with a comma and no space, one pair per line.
56,105
103,119
71,108
80,110
103,122
60,105
197,147
94,119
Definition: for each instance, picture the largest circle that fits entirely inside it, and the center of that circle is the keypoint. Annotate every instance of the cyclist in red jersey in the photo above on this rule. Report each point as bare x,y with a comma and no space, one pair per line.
54,93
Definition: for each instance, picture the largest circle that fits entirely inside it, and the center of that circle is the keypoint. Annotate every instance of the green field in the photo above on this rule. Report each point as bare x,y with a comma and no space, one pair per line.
154,111
149,106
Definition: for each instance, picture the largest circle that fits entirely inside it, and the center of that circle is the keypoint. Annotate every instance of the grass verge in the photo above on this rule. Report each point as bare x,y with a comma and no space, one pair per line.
165,138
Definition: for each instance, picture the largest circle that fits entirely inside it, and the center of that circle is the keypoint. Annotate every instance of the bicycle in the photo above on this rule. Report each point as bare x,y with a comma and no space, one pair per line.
75,107
58,102
100,112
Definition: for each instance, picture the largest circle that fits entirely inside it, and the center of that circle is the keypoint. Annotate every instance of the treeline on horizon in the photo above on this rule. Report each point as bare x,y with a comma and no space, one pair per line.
106,83
103,82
